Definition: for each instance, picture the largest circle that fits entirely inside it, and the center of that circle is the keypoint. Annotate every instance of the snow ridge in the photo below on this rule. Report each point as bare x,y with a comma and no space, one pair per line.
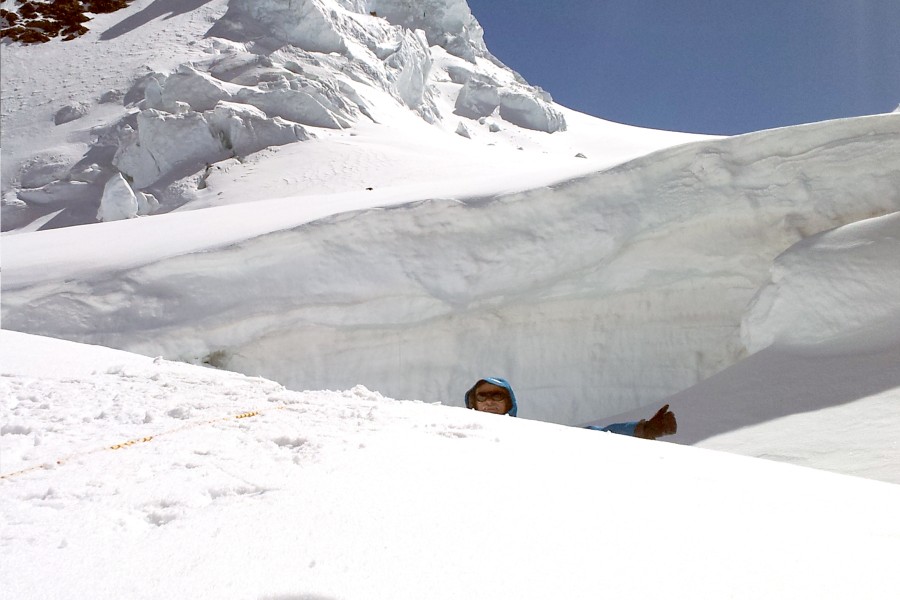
641,273
834,290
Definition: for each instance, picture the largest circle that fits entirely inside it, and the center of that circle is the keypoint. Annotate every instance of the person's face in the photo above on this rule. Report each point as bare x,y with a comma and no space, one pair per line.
491,398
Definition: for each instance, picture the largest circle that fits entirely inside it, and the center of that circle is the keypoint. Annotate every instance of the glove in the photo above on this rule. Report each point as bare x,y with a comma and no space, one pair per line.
660,424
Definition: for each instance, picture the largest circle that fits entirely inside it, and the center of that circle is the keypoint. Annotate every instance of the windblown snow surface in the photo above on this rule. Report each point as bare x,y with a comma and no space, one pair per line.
348,195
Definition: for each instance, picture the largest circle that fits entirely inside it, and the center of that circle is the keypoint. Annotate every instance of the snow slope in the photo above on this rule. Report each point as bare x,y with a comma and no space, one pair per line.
595,295
159,479
596,291
165,479
822,388
188,100
422,228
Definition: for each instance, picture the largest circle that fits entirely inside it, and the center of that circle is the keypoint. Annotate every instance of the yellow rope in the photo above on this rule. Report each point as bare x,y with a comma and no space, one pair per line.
129,443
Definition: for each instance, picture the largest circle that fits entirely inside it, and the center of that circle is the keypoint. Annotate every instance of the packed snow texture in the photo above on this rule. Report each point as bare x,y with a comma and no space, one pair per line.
359,197
595,295
839,285
822,389
130,477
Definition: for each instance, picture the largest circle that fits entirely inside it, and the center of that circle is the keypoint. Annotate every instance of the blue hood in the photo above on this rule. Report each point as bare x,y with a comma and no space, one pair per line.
500,382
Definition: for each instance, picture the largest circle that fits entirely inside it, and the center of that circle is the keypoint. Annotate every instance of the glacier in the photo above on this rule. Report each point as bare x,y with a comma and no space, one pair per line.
637,277
399,209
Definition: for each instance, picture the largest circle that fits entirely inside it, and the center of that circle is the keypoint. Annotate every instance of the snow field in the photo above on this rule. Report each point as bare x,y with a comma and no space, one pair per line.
396,215
349,494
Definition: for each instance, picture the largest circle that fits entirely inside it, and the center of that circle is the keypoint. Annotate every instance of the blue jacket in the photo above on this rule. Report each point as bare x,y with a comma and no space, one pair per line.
626,428
621,428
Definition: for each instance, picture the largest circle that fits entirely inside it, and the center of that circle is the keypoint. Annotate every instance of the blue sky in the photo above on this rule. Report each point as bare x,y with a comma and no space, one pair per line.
705,66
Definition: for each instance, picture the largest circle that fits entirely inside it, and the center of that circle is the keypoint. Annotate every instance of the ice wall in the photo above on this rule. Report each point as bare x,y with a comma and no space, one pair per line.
593,296
838,291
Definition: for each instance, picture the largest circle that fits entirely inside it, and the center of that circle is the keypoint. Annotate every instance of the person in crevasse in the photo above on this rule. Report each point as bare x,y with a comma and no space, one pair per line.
495,395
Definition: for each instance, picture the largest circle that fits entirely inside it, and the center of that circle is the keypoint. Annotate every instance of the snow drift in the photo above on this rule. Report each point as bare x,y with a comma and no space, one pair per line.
837,286
594,296
822,387
161,479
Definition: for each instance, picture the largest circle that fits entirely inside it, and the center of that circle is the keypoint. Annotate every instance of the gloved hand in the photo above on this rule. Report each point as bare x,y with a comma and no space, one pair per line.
660,424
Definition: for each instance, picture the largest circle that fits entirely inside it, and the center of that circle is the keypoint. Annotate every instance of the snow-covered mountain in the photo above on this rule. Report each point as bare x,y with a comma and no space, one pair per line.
355,195
277,117
641,274
168,104
601,267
